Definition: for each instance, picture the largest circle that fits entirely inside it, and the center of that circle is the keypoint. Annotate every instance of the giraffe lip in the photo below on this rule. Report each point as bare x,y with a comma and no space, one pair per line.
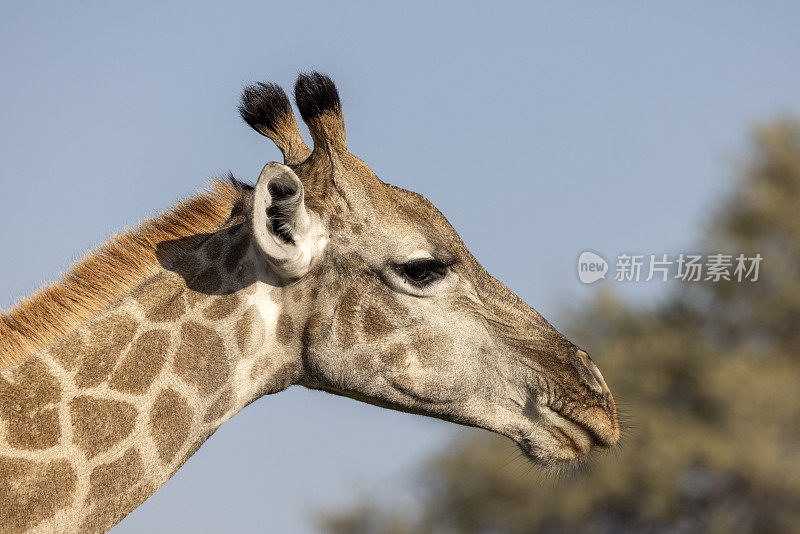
556,439
578,427
600,424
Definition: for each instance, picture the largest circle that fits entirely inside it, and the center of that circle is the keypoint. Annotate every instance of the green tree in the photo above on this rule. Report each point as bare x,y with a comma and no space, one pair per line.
709,385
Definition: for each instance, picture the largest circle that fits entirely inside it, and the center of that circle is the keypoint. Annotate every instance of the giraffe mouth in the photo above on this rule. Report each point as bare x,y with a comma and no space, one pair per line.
556,440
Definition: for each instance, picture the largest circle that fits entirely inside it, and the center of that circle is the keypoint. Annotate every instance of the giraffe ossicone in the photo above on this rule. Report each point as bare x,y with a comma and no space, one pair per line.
321,276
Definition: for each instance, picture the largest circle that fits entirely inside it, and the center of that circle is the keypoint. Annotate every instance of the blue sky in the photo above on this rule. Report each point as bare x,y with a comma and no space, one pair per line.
540,130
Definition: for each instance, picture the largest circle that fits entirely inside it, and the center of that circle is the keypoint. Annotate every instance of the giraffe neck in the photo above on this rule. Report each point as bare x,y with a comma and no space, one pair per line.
93,425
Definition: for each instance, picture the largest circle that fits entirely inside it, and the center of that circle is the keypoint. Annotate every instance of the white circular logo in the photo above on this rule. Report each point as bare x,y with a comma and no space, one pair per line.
591,267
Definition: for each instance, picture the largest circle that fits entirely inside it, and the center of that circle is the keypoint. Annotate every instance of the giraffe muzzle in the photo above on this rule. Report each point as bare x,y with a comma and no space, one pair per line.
599,417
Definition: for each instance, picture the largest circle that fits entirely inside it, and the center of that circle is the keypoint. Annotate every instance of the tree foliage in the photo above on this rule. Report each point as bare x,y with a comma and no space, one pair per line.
708,382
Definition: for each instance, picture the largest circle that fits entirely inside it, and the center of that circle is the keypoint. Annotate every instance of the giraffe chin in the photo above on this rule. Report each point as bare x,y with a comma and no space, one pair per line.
555,441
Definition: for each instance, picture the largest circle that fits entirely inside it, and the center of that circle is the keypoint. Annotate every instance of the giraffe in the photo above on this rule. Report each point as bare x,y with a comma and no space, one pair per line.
321,275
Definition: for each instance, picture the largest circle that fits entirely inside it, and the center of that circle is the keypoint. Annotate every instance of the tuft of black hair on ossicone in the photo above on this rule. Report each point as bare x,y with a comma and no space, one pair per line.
263,104
314,94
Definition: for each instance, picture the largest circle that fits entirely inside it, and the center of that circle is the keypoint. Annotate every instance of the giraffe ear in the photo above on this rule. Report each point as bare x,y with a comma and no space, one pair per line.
281,223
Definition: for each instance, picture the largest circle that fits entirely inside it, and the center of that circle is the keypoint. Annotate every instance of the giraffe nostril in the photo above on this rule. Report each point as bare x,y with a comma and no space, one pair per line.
589,372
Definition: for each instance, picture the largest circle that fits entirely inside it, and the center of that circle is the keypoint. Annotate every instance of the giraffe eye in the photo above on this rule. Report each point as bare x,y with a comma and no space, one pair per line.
423,271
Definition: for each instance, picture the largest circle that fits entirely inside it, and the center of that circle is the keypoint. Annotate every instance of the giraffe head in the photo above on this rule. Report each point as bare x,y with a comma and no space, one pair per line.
396,311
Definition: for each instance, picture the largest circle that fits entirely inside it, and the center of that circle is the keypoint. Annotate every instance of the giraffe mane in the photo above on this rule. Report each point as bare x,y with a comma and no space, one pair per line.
108,272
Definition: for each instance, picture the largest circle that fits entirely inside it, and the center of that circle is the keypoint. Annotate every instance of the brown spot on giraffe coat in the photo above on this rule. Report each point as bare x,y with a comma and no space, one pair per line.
375,324
108,513
249,330
426,345
188,267
108,338
112,479
345,318
142,363
31,492
284,329
169,423
27,406
162,297
394,356
69,350
205,284
333,287
312,330
219,407
260,367
221,307
99,424
201,360
244,328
